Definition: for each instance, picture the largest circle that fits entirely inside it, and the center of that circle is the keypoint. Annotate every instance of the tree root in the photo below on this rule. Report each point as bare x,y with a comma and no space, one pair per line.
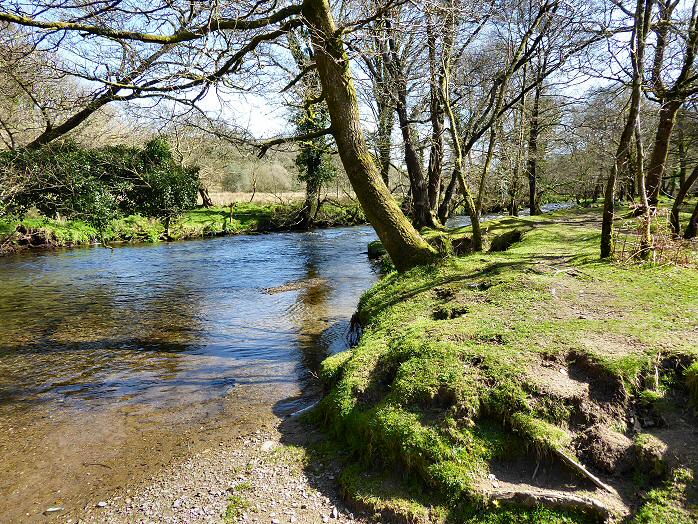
554,500
582,471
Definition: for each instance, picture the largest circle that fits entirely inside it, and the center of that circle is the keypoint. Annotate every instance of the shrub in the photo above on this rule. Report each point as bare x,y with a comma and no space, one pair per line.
97,185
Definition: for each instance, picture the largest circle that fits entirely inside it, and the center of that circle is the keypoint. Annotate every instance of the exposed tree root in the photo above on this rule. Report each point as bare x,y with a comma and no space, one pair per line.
554,500
581,470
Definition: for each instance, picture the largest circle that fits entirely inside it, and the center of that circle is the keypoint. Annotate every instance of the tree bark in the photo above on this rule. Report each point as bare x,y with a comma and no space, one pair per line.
680,197
660,150
621,160
692,227
400,239
532,163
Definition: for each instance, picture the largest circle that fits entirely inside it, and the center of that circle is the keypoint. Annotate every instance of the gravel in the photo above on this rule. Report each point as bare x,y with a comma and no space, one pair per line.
252,467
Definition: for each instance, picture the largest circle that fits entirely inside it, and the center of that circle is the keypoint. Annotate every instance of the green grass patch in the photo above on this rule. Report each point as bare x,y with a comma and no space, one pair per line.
237,503
200,222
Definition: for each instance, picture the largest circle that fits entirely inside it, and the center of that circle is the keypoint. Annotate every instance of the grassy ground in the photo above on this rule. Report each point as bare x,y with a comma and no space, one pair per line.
201,222
492,387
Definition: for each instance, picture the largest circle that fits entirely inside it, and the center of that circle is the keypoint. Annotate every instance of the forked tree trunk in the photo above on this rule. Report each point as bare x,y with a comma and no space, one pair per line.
421,210
621,159
401,240
205,197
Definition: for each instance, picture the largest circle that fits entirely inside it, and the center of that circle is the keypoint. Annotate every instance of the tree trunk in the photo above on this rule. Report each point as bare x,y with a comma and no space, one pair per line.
621,159
312,200
660,150
421,209
445,206
400,239
680,196
436,153
683,161
486,168
385,131
692,227
205,197
532,167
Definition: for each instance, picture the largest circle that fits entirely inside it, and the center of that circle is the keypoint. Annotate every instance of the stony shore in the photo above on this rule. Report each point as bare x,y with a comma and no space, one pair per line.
256,477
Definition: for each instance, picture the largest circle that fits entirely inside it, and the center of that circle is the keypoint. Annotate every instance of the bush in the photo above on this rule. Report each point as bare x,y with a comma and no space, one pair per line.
97,185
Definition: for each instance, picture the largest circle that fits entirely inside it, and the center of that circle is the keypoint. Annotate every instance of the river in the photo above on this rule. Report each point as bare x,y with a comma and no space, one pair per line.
115,361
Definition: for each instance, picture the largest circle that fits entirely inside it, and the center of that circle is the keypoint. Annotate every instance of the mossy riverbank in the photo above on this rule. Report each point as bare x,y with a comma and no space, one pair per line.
533,383
42,232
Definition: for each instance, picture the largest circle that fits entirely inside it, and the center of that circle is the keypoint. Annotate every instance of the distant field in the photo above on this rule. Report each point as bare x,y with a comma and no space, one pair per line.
284,197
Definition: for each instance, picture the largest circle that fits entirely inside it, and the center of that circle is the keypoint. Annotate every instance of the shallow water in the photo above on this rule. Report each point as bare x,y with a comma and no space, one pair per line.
167,322
160,331
463,221
114,362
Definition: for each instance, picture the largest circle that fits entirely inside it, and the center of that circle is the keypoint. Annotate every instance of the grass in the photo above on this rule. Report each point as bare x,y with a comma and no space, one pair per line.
445,381
666,503
196,223
237,503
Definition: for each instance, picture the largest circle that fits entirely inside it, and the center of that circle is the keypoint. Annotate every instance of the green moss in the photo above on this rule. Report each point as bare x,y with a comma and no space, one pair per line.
542,434
667,503
692,383
444,380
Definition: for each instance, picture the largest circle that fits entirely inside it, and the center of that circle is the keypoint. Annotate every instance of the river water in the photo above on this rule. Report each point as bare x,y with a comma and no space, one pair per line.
101,348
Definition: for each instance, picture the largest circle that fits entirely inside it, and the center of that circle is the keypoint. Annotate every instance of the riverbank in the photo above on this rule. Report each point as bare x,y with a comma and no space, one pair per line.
529,384
241,218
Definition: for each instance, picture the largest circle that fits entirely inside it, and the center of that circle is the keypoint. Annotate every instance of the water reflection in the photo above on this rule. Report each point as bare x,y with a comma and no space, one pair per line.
175,322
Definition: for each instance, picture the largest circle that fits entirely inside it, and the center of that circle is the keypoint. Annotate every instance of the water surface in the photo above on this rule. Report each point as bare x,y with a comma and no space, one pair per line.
102,349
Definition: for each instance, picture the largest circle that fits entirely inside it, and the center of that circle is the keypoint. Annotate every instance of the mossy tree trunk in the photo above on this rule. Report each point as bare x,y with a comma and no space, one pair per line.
312,200
660,151
445,92
400,239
